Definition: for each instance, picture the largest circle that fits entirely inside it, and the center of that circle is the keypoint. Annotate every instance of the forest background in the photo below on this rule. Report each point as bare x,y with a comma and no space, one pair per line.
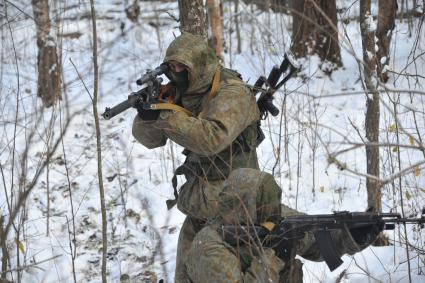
81,201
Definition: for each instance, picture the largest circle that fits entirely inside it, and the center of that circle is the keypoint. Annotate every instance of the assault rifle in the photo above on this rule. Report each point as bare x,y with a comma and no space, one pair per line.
283,237
149,95
287,69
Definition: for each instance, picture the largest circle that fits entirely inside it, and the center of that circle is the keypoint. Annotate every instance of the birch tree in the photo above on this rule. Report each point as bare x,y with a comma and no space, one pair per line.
386,23
192,17
367,28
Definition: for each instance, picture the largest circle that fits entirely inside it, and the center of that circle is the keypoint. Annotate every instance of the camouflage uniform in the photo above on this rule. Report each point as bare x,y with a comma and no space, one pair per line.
211,259
218,138
248,196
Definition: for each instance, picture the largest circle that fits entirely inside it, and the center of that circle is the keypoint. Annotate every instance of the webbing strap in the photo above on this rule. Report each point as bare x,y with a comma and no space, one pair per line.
179,171
170,106
215,85
172,202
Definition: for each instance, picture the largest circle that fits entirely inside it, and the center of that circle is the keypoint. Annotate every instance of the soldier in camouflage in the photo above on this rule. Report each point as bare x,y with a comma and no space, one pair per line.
223,183
218,137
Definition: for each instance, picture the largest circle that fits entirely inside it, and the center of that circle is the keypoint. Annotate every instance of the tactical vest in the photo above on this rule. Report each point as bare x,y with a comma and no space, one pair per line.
240,154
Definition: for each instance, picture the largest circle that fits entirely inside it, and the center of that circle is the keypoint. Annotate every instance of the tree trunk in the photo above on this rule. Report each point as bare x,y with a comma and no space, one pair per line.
4,252
192,17
49,80
372,104
103,207
238,30
133,11
386,22
313,30
278,6
216,41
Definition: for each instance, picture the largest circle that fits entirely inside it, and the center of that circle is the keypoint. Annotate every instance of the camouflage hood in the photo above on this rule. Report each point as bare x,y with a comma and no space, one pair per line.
202,63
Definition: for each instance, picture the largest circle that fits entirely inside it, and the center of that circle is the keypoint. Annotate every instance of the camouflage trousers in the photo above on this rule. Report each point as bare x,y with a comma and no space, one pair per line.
247,196
209,259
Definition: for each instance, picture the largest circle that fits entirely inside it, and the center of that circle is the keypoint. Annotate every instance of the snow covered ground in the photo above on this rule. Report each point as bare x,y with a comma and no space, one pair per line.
142,234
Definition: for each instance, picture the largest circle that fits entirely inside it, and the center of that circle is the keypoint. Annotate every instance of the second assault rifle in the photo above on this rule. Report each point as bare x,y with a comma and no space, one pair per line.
284,236
287,69
268,86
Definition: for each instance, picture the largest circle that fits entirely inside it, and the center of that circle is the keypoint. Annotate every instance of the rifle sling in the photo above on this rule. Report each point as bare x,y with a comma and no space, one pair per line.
170,106
327,249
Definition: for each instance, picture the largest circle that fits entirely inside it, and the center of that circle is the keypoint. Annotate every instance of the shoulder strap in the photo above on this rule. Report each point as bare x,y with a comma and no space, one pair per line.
215,85
170,106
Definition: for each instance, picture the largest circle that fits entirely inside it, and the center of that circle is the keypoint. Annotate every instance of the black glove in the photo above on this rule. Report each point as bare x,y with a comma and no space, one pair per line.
144,112
366,235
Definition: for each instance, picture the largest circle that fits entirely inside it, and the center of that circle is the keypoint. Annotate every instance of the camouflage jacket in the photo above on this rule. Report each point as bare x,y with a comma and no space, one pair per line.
221,134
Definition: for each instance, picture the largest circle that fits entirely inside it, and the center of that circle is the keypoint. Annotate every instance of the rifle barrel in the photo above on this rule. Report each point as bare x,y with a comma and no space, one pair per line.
121,107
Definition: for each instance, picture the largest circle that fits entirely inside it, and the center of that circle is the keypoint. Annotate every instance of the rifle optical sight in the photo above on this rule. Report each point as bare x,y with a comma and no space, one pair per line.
152,74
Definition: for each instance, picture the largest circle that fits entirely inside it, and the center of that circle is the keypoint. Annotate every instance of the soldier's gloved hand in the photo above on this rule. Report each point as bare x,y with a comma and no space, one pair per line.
146,114
366,235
